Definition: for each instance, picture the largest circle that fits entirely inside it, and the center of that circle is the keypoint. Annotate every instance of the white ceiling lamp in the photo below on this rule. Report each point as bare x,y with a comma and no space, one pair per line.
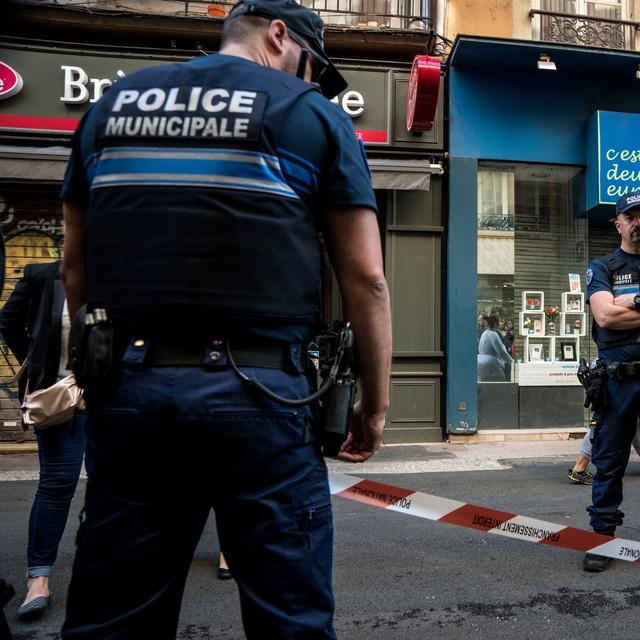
546,63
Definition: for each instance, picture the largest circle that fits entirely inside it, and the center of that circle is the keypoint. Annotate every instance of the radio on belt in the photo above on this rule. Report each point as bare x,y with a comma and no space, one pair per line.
336,393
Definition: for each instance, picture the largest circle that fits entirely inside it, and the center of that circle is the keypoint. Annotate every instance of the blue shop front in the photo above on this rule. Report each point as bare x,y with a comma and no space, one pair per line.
543,140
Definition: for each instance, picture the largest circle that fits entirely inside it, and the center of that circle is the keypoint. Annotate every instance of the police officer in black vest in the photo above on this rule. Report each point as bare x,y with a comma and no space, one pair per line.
613,290
193,201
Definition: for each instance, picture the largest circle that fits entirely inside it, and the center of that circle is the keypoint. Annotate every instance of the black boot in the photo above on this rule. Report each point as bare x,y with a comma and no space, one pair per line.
595,563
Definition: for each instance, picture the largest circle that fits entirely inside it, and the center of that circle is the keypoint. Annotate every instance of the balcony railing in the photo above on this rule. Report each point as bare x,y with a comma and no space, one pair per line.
388,14
382,14
495,222
570,28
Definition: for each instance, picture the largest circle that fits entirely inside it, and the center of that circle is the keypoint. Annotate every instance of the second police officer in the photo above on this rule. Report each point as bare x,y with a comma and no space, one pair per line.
613,292
192,201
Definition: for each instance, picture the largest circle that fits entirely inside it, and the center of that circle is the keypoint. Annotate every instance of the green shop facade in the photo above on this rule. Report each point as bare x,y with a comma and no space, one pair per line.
59,82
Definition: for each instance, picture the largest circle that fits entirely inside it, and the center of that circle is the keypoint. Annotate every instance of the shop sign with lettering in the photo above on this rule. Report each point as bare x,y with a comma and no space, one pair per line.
60,85
10,81
613,167
548,374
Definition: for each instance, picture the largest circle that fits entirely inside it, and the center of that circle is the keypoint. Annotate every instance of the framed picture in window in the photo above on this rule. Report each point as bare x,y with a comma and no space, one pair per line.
537,326
568,350
574,303
536,353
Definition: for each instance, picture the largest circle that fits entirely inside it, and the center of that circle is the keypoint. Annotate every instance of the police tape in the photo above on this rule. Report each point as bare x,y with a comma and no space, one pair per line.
471,516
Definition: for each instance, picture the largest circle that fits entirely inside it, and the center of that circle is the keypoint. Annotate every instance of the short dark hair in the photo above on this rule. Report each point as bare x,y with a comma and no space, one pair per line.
241,28
493,322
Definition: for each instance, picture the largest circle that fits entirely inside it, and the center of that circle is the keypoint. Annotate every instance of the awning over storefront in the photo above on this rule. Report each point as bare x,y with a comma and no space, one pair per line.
49,163
412,175
500,54
33,163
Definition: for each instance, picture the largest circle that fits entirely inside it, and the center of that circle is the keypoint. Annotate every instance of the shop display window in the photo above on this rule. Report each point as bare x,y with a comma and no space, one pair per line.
529,241
534,245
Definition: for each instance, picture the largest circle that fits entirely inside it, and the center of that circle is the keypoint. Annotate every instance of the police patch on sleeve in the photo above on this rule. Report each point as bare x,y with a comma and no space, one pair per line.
589,276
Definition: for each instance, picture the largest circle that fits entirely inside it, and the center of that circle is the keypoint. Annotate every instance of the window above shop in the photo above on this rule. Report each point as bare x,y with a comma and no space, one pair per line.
593,23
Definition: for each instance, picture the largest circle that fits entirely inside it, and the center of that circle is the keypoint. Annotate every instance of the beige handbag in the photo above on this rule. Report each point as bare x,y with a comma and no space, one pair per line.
51,406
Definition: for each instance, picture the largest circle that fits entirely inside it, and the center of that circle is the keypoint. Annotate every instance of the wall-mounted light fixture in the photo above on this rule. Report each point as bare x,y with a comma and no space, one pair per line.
638,72
546,63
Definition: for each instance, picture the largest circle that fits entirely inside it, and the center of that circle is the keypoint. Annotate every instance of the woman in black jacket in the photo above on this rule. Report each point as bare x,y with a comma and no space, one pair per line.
35,325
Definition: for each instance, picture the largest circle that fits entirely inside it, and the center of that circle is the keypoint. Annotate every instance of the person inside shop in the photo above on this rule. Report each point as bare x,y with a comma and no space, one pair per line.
613,293
207,268
508,337
494,361
34,323
481,325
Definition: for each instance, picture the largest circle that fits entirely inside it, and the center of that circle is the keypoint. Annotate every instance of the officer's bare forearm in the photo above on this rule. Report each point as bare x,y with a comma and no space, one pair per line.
75,289
618,318
72,271
614,313
356,255
367,308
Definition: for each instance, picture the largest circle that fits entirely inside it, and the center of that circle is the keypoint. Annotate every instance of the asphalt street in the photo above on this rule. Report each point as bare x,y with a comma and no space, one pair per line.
399,577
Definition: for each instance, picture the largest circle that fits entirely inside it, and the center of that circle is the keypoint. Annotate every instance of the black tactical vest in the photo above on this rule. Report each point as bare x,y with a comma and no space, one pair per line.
609,338
189,209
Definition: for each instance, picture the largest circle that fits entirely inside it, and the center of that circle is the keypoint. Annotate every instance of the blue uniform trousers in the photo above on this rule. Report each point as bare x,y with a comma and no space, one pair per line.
166,447
610,453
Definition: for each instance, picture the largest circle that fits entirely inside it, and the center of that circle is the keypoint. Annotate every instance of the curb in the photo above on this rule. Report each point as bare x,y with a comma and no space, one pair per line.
18,447
482,435
518,435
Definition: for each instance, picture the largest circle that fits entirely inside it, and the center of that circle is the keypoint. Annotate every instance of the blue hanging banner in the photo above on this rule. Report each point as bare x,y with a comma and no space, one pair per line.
613,157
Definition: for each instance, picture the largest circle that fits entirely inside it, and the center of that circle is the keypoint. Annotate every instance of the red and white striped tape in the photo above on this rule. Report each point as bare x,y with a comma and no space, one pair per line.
471,516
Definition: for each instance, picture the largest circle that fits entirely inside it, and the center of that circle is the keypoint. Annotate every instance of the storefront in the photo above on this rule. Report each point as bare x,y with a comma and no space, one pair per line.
59,83
531,192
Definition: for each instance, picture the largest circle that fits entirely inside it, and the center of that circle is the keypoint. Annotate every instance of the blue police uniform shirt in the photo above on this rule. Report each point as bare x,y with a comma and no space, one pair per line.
321,160
599,278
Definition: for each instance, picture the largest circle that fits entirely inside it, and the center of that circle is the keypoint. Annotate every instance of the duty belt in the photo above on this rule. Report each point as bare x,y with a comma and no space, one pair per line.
619,370
143,352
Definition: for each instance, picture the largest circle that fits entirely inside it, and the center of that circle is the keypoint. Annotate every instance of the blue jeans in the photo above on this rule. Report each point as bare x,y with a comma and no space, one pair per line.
60,450
610,453
167,446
